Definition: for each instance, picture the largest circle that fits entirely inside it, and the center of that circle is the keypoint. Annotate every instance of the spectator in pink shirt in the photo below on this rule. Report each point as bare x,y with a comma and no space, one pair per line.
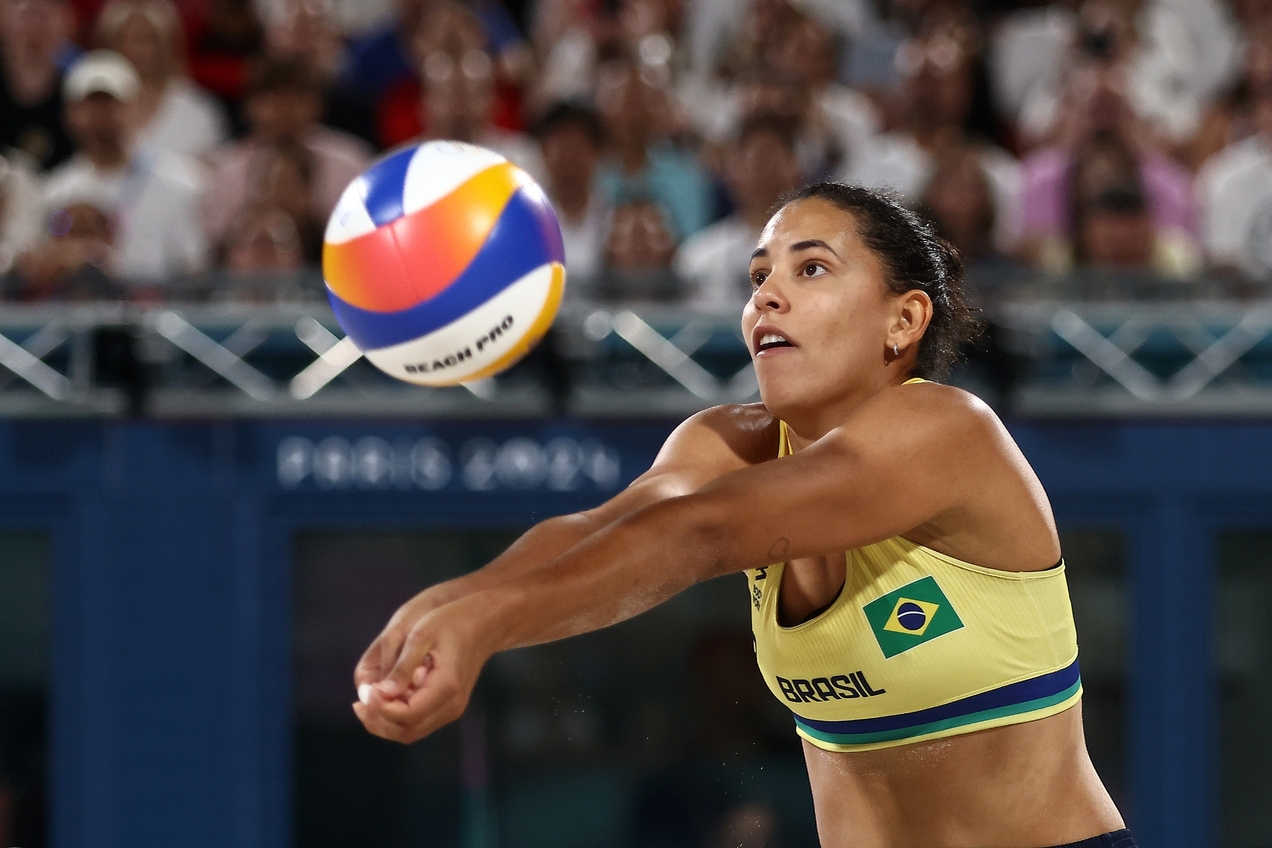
1111,223
283,104
1096,107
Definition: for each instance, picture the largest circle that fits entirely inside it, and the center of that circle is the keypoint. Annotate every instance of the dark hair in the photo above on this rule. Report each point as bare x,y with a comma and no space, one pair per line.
271,74
913,257
1120,198
766,123
567,114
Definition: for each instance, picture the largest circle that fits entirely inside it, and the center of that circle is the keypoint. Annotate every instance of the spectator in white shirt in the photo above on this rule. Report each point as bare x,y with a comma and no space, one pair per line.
1234,193
572,141
1232,117
153,196
171,112
760,167
21,208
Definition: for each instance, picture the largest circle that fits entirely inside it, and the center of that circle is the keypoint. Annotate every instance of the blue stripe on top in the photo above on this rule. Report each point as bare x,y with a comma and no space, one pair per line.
1020,692
525,237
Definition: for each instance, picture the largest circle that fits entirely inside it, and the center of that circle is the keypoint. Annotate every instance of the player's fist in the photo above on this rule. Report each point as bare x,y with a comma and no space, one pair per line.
431,679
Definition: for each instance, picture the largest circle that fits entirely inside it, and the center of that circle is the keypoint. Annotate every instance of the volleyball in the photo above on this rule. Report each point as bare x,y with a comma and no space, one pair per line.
444,263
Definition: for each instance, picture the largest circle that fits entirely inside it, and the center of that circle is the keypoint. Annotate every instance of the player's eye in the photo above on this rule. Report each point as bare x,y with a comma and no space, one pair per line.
813,269
758,278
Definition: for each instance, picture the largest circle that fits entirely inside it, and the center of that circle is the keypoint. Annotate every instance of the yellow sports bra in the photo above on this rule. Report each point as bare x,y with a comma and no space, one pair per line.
918,645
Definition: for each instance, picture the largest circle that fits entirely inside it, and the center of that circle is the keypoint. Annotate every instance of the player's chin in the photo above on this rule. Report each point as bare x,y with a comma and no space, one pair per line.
778,384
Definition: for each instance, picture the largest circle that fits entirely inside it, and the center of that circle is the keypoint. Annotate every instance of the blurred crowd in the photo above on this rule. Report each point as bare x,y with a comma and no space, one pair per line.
143,141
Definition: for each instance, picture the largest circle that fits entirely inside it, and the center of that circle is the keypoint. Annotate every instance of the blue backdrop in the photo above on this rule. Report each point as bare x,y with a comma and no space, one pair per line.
170,716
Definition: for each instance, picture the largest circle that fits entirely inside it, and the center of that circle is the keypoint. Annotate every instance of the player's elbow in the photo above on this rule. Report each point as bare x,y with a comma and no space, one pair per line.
704,528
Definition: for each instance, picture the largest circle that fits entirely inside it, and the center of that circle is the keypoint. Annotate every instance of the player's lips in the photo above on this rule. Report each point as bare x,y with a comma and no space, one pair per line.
766,337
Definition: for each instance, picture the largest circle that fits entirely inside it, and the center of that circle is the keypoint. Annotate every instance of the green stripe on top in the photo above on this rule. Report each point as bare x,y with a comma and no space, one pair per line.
943,724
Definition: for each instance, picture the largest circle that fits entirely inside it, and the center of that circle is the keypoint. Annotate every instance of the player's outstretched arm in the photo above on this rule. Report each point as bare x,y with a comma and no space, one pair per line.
706,446
869,480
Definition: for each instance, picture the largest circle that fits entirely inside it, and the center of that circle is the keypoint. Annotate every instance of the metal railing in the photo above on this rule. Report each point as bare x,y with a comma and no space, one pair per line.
1162,351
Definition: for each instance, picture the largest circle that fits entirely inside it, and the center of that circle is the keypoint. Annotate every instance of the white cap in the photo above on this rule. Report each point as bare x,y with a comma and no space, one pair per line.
101,70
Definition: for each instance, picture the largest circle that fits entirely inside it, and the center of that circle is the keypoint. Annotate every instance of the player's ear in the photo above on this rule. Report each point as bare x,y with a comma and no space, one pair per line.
911,314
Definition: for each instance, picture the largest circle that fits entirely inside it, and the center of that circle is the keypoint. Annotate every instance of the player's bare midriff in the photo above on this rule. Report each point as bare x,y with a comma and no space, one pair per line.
1023,786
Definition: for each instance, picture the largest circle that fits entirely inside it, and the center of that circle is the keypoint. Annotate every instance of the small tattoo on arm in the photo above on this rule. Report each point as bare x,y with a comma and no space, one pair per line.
779,549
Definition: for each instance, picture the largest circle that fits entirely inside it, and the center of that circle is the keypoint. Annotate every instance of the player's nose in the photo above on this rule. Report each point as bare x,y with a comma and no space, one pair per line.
768,296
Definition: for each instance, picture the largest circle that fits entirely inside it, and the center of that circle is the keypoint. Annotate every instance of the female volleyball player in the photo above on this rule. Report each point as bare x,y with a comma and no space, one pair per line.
932,668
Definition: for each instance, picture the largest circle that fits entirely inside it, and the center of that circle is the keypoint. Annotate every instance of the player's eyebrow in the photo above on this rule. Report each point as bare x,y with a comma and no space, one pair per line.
807,243
796,248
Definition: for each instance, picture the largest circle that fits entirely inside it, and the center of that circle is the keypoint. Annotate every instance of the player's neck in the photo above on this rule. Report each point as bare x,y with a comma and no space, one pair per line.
808,425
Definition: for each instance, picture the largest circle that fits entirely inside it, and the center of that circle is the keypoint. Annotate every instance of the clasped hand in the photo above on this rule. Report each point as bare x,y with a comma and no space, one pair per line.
419,673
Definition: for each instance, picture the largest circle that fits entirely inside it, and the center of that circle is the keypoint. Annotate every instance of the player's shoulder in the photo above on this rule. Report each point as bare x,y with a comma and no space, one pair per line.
741,416
746,430
739,420
935,408
934,395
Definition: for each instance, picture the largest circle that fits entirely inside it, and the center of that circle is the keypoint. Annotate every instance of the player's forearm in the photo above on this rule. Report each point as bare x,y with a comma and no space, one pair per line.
619,572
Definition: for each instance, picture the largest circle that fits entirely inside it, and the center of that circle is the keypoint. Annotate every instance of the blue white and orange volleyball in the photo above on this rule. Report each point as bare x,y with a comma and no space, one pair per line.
444,263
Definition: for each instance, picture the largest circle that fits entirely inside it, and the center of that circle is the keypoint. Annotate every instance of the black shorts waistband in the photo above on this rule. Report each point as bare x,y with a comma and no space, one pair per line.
1112,839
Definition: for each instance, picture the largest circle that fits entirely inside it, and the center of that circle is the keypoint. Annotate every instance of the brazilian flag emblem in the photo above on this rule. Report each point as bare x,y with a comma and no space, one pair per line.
905,618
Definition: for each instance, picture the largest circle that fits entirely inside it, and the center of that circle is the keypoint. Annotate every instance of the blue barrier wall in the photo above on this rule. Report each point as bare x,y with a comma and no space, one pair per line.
169,689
